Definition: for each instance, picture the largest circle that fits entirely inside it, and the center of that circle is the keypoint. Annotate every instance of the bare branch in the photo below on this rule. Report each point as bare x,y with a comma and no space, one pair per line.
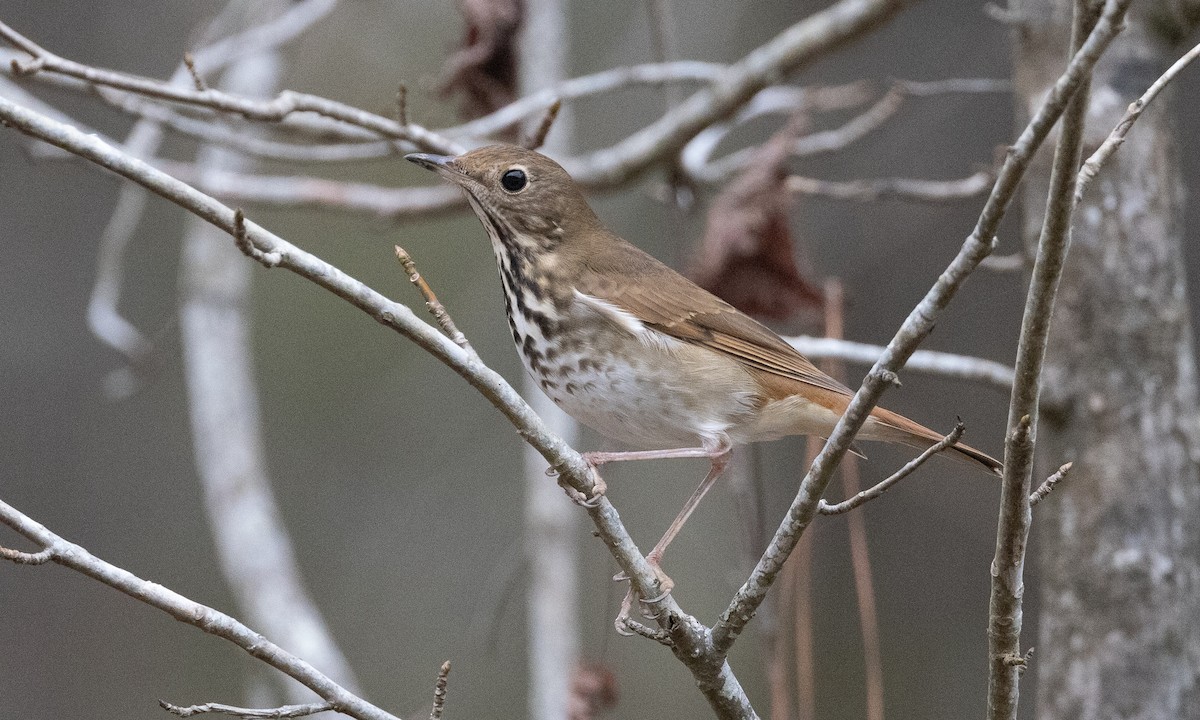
435,306
211,621
700,169
1012,530
343,196
283,105
607,81
880,488
1048,485
808,39
251,540
894,188
103,314
690,639
696,155
305,191
286,711
1117,136
730,88
962,367
914,329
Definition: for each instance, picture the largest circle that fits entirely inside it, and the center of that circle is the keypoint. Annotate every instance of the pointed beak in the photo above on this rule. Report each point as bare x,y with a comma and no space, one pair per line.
443,165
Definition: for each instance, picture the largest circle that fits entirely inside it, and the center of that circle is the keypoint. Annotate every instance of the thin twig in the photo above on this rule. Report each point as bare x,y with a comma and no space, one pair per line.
909,189
21,557
1048,485
435,306
730,88
657,635
402,104
787,52
689,637
439,692
314,192
880,488
252,544
209,620
284,104
285,711
1117,136
243,243
700,169
103,311
860,555
189,62
932,362
915,328
1005,610
606,81
538,138
696,155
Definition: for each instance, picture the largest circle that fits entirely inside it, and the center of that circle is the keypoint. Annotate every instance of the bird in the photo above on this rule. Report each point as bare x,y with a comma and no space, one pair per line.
631,348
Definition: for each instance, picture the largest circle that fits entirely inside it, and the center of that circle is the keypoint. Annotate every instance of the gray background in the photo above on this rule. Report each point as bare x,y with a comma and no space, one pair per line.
399,483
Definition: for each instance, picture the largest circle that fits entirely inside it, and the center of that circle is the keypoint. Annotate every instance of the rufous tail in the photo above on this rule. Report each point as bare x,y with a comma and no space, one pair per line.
888,426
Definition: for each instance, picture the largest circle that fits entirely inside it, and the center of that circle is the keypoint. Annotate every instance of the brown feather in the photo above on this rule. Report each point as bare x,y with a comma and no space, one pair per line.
550,221
668,302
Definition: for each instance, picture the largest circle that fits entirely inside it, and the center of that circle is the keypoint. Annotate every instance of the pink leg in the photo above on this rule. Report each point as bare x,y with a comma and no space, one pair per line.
718,466
719,456
600,458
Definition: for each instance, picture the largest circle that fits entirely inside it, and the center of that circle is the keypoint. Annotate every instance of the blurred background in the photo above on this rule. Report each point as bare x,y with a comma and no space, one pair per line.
400,485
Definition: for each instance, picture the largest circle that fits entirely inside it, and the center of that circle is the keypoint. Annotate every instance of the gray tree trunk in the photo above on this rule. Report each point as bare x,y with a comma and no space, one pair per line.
1118,544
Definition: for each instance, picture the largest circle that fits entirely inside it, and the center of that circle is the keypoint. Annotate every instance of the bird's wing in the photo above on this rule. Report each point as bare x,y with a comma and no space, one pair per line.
673,305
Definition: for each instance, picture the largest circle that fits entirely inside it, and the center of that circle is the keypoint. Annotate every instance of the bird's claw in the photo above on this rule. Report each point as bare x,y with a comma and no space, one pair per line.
665,585
599,487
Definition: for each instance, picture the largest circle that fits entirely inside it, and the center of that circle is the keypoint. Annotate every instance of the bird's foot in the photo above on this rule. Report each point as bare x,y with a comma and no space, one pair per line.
665,585
599,488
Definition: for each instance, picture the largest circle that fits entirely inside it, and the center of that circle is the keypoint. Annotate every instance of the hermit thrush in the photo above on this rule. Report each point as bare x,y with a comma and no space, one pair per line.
631,348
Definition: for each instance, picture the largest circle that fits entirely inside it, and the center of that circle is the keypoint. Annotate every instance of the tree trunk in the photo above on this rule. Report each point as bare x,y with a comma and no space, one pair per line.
1118,542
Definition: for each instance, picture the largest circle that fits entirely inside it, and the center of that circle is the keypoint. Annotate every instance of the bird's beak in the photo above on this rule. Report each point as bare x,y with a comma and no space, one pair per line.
444,165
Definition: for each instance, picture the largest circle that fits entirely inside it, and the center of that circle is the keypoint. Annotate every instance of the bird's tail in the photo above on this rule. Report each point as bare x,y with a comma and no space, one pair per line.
888,426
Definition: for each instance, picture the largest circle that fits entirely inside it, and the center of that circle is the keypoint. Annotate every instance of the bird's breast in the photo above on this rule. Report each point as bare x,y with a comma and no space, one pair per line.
646,393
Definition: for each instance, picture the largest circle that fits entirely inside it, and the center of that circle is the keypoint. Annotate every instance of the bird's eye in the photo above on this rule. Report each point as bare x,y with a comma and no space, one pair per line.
514,180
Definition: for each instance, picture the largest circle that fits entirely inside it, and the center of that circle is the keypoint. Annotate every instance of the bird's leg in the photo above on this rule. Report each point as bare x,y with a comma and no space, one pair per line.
600,458
719,457
719,462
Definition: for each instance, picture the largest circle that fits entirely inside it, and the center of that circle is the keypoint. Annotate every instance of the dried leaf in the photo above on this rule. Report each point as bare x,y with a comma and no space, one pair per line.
484,69
747,257
593,691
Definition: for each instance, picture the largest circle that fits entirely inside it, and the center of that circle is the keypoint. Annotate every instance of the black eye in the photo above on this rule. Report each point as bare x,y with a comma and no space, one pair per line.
514,180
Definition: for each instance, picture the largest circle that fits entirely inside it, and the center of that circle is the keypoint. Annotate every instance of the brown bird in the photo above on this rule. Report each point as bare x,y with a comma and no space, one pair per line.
631,348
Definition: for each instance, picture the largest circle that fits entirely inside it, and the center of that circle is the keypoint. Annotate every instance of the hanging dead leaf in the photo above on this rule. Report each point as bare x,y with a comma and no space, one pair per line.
484,68
747,256
593,691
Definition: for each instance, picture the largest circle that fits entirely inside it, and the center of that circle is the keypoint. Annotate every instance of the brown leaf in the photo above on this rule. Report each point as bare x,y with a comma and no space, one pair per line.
593,691
484,68
747,256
